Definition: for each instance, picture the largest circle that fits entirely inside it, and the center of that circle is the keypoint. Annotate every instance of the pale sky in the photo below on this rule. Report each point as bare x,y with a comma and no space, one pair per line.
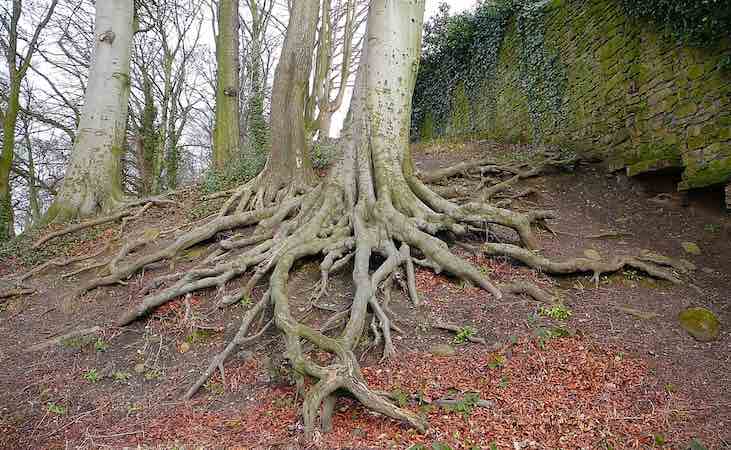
457,6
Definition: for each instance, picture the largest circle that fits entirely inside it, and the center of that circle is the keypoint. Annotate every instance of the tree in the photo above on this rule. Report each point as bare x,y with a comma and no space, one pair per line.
226,131
160,81
93,176
370,204
336,56
17,67
260,13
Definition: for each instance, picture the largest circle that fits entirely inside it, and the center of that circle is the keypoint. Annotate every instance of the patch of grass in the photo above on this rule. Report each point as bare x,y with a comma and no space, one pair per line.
464,334
712,227
92,376
55,408
101,345
152,375
198,336
556,312
134,408
214,388
77,343
466,404
504,382
121,376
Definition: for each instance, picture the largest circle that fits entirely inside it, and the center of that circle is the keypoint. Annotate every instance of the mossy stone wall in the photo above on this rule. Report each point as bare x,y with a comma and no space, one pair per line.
623,91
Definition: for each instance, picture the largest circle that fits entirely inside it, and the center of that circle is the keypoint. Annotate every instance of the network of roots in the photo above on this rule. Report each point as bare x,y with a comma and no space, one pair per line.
259,236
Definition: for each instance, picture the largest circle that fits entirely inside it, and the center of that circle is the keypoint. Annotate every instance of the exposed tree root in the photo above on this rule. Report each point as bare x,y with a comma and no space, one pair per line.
329,221
121,214
15,292
61,262
657,268
342,226
57,340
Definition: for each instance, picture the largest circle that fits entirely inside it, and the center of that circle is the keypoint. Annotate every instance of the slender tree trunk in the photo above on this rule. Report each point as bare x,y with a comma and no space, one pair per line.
93,176
17,68
163,135
6,159
226,131
289,162
148,145
35,208
256,125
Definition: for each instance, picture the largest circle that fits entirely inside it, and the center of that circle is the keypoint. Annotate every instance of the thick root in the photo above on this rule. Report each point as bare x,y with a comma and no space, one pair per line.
579,265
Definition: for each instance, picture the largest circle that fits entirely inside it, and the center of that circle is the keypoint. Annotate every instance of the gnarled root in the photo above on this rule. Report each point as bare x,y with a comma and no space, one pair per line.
578,265
341,226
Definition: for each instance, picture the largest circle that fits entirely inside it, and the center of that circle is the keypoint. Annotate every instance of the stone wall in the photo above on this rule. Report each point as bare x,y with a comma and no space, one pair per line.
581,74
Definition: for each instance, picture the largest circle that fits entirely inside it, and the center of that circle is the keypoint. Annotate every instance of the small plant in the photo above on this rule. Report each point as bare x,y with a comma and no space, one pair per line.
466,404
121,376
496,362
134,408
198,336
151,375
100,345
92,376
400,397
631,275
695,444
504,381
546,334
54,408
323,153
712,227
76,343
556,312
464,334
659,440
246,302
214,388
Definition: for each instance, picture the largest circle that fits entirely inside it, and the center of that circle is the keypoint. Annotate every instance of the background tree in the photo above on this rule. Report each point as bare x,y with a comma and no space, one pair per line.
336,59
226,131
17,69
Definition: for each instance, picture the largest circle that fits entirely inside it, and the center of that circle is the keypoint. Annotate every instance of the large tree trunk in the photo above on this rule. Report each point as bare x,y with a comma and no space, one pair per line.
289,163
93,176
226,131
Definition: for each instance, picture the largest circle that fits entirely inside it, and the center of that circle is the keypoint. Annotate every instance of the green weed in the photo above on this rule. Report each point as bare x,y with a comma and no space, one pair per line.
92,376
556,312
56,409
464,334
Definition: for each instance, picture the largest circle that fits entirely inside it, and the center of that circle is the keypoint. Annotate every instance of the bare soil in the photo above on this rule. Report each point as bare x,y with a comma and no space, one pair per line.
618,373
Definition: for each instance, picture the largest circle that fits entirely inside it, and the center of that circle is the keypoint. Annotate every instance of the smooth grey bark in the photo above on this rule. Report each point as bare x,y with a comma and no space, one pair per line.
93,176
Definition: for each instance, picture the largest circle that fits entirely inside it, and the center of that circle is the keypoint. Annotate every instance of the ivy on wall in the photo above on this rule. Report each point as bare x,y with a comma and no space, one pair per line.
542,76
460,55
694,22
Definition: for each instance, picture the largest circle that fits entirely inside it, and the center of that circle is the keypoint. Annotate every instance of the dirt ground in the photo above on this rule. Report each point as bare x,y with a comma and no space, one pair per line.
618,373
